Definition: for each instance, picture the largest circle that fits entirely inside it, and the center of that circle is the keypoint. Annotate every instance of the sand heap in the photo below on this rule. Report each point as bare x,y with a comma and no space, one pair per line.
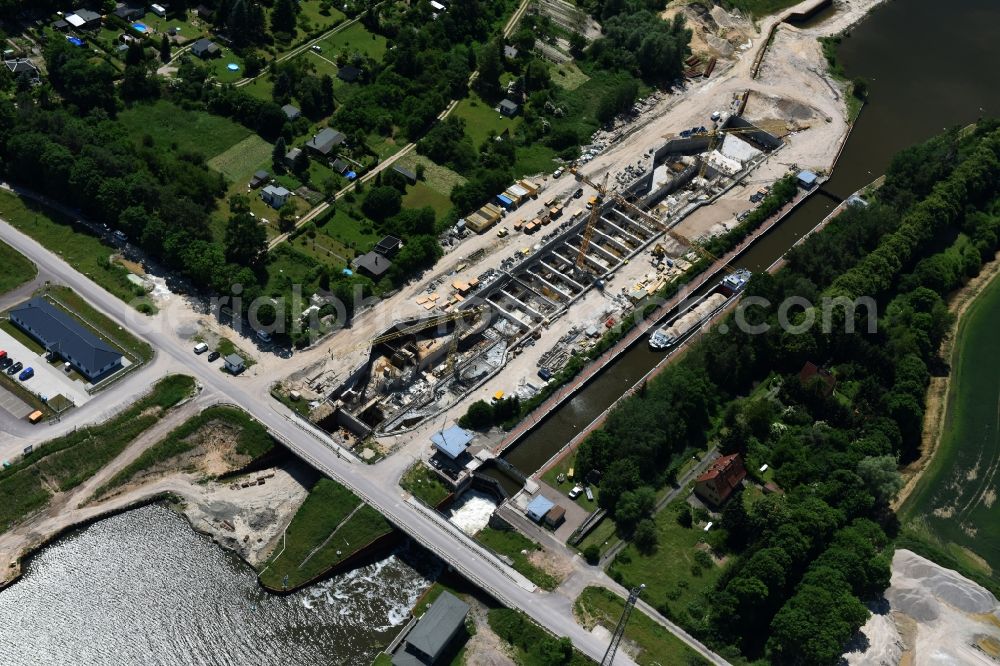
934,616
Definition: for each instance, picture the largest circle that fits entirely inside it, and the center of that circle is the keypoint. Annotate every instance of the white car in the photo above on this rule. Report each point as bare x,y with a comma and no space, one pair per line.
573,494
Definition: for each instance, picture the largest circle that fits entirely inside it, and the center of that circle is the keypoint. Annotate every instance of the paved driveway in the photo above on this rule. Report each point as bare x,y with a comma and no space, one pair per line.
49,380
13,405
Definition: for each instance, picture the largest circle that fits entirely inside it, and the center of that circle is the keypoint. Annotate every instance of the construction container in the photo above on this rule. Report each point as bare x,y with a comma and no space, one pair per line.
35,416
531,187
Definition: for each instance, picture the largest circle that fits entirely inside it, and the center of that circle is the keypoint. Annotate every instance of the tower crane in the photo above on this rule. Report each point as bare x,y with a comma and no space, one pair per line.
595,212
616,638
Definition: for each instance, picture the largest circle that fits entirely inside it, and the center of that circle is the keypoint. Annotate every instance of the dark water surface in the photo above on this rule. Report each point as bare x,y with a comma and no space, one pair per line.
144,588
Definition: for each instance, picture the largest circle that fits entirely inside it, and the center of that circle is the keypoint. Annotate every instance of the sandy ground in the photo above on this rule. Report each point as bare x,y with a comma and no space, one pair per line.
485,648
246,514
934,617
937,393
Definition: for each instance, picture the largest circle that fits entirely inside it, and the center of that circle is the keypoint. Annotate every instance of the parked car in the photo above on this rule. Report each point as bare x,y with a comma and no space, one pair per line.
3,354
214,355
573,494
200,348
15,368
27,374
6,362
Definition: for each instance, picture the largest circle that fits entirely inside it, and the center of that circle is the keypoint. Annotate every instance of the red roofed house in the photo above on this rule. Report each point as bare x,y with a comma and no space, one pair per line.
720,480
811,371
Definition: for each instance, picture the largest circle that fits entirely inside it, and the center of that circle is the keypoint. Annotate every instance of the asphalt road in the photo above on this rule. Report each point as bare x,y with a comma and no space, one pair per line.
173,354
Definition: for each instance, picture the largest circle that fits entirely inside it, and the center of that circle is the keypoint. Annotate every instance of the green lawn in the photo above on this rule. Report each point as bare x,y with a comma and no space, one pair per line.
329,526
438,178
604,536
562,467
674,580
423,483
760,8
952,506
596,605
81,250
511,543
192,131
481,119
66,462
567,75
534,159
421,194
311,16
15,270
354,39
261,88
253,442
239,163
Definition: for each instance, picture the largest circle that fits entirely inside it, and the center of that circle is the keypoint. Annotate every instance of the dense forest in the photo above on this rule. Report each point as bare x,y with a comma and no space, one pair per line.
807,557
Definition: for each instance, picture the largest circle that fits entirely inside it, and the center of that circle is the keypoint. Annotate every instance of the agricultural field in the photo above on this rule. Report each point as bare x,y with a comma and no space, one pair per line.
194,131
954,504
241,161
15,270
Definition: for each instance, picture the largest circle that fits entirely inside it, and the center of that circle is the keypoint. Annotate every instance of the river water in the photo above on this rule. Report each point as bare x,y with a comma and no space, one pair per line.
144,588
927,70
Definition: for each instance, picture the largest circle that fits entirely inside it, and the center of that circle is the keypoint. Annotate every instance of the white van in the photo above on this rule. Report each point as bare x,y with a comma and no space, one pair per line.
200,348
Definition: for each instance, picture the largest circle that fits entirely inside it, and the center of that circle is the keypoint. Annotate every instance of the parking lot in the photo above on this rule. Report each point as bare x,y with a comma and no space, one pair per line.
13,405
49,380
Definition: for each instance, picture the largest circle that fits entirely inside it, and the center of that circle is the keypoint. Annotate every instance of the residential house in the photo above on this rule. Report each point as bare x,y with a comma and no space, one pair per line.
84,19
291,112
275,195
21,67
433,633
259,178
205,13
129,12
810,372
159,10
373,264
325,141
409,175
206,49
349,74
62,25
721,479
508,108
62,335
291,156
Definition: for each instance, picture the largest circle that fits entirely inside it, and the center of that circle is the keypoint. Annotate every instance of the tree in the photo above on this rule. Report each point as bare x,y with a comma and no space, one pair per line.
278,155
490,62
881,477
382,202
286,218
165,49
478,417
684,517
246,240
283,17
592,554
326,94
645,536
300,165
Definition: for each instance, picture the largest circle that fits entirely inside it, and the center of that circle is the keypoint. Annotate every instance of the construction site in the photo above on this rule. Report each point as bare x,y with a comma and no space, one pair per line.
507,329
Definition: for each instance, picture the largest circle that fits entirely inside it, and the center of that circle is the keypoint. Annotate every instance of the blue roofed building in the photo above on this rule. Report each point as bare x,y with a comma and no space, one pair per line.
806,180
67,338
452,441
538,507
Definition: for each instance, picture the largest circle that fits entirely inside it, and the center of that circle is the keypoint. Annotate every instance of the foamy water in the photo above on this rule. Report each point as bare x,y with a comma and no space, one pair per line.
472,512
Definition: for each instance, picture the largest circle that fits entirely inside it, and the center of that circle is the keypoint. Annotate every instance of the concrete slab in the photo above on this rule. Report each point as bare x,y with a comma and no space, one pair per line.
49,380
13,405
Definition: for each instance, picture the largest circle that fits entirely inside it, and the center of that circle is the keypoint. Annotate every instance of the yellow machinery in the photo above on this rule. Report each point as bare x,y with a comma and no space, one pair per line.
595,212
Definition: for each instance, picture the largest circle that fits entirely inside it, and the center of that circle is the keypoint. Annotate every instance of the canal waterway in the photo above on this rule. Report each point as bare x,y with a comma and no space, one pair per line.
144,588
929,67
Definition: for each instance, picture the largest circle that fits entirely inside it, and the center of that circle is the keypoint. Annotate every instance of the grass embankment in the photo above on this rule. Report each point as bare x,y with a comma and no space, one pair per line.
761,8
532,645
330,526
677,574
66,462
596,605
511,544
424,484
952,509
857,88
74,243
253,442
15,270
